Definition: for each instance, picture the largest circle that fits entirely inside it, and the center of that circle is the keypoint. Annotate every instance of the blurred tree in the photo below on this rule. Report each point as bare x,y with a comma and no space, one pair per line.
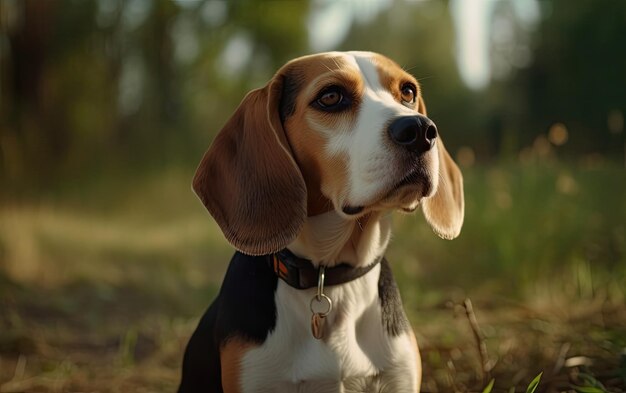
25,29
243,43
576,77
123,86
505,108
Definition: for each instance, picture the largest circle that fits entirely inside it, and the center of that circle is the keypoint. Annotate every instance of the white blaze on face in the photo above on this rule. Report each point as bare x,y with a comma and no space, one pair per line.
370,159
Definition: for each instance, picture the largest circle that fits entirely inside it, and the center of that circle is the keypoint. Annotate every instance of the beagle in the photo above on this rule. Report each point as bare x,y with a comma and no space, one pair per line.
302,180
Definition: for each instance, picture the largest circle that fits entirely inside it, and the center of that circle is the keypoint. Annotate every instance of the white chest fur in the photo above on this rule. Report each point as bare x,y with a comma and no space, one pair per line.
356,354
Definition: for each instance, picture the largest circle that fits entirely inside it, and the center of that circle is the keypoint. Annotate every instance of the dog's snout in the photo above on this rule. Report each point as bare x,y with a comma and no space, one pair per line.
416,133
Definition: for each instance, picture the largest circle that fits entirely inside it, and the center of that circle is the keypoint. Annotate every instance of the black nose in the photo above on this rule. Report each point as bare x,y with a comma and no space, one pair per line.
416,133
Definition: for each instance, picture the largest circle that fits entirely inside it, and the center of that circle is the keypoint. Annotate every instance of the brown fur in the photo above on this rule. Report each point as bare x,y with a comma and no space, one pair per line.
231,355
248,179
307,129
392,77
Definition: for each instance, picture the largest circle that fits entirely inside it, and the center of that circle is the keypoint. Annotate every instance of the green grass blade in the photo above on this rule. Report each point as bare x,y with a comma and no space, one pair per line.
489,386
588,389
534,383
590,382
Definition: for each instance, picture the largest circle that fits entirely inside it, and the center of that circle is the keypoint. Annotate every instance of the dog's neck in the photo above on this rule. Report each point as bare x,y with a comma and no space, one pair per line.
329,239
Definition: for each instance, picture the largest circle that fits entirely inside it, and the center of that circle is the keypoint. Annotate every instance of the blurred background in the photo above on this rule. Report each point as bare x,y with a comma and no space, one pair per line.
107,259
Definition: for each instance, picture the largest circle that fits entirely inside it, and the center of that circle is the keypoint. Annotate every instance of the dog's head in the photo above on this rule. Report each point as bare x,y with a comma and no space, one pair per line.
333,131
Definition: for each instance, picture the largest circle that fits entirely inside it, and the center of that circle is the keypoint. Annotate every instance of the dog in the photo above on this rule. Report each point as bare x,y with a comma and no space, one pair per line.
302,180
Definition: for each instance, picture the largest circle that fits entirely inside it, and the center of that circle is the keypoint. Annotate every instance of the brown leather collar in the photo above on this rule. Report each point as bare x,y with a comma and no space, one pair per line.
300,273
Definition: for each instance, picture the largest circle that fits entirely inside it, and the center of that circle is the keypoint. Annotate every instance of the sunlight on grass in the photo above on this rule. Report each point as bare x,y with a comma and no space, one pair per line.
521,233
33,236
102,286
52,245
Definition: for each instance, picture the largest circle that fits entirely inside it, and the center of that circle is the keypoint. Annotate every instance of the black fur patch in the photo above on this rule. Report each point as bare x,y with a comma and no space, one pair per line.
393,317
244,308
247,307
292,84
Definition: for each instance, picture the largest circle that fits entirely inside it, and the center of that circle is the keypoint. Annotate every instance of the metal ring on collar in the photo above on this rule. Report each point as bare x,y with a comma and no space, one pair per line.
323,299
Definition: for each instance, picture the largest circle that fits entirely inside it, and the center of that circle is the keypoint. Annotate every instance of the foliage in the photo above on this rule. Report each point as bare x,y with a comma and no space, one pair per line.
532,386
585,95
103,86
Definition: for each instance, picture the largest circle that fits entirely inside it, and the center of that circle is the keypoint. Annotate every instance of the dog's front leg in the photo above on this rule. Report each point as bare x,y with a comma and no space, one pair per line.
406,375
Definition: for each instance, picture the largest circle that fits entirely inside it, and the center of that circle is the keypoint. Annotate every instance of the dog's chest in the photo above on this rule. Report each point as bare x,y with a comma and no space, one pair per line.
355,355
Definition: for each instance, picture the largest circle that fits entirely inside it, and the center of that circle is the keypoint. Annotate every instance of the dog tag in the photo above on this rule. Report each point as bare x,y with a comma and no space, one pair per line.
317,325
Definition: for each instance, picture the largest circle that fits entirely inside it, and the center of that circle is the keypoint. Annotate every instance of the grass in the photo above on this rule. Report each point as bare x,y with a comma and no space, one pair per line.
101,287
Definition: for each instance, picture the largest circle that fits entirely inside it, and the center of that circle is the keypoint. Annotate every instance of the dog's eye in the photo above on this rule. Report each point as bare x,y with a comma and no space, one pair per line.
330,98
408,93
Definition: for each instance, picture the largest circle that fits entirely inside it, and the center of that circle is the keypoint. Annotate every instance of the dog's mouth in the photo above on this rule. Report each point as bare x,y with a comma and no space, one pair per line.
404,194
415,177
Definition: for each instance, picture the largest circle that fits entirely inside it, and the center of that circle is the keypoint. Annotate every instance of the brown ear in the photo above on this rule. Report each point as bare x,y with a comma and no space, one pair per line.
444,210
248,179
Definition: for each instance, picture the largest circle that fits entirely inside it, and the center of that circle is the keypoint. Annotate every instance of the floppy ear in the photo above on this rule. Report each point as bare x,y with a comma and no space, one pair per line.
248,179
444,210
